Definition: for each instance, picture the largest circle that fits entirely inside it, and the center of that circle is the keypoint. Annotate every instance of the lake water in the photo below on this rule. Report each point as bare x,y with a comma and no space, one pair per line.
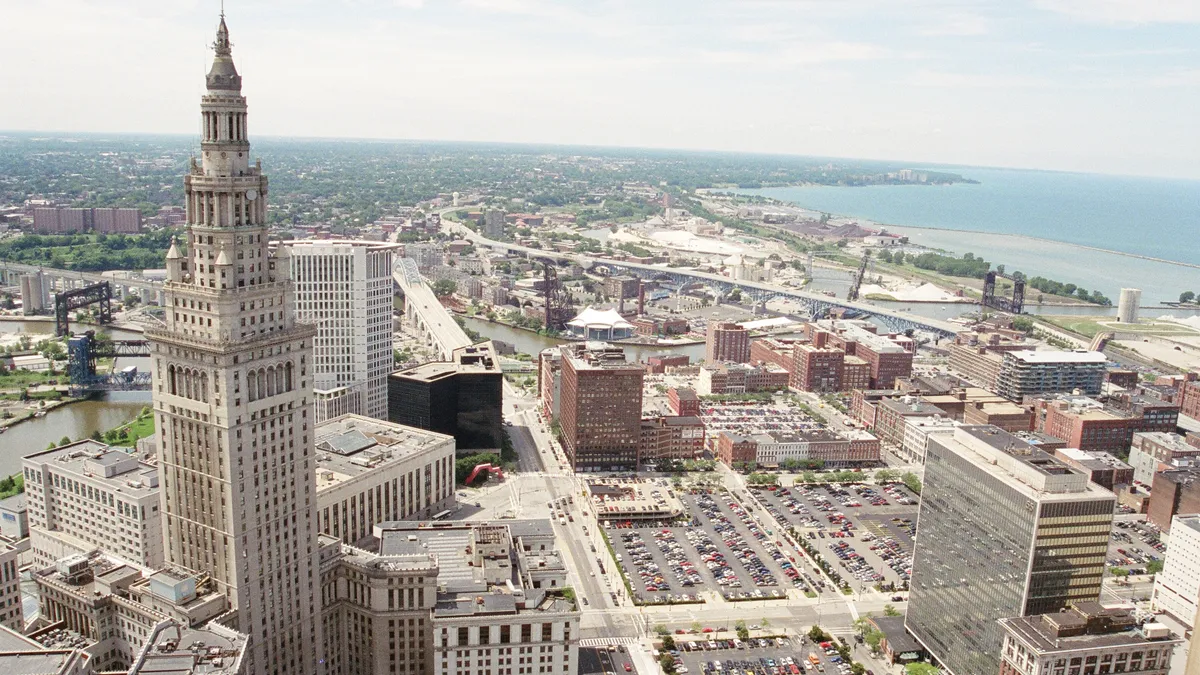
1152,217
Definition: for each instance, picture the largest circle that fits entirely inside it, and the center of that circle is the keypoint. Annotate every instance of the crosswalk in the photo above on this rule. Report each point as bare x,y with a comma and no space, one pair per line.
608,642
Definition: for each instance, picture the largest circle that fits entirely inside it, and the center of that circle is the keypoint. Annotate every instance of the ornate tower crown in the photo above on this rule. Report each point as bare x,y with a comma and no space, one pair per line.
223,74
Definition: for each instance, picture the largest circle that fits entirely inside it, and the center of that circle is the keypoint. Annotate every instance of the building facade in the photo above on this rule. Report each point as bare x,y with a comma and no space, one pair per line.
463,397
1173,492
1029,373
232,393
727,342
1088,638
345,289
87,496
1005,531
1153,451
601,408
1177,587
740,378
818,367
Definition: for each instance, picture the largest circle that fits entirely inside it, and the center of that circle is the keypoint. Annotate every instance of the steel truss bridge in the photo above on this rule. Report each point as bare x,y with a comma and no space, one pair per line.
84,349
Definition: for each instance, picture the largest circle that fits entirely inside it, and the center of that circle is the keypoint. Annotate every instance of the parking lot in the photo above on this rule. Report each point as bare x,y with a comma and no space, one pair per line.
763,656
865,531
719,545
1135,544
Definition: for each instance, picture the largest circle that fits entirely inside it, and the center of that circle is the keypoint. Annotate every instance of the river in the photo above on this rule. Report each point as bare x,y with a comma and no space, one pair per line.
77,420
532,343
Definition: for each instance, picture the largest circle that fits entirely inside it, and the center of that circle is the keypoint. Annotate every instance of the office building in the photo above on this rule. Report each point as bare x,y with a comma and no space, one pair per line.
1177,586
1101,468
600,412
889,357
14,517
1104,426
772,448
893,415
20,653
817,366
1154,451
621,287
1087,638
683,401
917,432
727,342
671,437
779,352
978,355
1006,530
1175,491
463,397
659,364
88,496
232,393
370,471
1030,373
740,378
345,289
12,611
102,220
117,613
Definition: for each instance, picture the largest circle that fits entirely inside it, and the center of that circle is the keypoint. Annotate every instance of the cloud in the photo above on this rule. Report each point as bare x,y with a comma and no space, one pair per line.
958,25
409,4
1132,12
939,79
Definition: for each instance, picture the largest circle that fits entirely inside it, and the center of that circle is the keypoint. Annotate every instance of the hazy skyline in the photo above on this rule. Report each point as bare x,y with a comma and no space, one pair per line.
1107,86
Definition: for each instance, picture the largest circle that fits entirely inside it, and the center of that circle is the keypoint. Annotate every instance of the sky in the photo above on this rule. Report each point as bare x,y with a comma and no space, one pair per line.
1106,86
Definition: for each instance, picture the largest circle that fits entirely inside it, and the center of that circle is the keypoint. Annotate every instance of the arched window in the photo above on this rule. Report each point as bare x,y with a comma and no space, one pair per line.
170,379
252,385
204,387
279,381
187,384
288,369
262,383
271,381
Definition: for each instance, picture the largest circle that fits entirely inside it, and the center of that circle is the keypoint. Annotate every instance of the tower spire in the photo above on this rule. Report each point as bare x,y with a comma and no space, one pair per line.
223,74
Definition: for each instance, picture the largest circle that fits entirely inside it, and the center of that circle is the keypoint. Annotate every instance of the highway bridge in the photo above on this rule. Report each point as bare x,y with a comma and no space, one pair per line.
424,313
815,304
62,280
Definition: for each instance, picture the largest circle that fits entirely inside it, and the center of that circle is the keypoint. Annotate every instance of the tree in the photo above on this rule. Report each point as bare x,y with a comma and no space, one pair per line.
668,642
890,610
743,632
1187,296
64,440
857,668
444,287
661,630
1154,567
912,482
886,476
666,662
885,256
696,626
1000,270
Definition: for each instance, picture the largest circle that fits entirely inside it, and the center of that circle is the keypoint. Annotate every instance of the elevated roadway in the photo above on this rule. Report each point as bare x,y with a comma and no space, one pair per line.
424,313
818,305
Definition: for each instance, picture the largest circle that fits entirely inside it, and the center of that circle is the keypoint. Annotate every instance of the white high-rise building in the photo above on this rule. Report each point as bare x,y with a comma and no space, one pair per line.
1177,587
345,289
233,392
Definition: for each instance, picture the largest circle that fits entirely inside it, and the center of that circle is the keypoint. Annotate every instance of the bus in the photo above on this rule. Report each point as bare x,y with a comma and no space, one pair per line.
441,514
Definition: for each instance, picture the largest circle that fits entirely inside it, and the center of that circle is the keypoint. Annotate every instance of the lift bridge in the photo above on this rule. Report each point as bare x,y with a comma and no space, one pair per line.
84,349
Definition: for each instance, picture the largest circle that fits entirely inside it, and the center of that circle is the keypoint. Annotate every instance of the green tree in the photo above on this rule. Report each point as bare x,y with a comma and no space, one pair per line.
1187,296
661,630
890,610
857,668
444,287
743,632
667,663
64,440
1154,567
921,668
912,482
886,476
668,642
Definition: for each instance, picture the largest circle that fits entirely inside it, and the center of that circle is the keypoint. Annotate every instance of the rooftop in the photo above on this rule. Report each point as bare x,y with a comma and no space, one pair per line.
352,445
1036,474
1058,356
1087,625
119,467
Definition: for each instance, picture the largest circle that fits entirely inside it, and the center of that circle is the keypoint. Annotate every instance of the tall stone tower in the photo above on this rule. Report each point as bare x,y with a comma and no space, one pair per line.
233,398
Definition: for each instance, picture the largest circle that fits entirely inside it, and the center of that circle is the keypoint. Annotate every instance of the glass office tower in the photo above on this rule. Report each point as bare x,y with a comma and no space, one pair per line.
1004,530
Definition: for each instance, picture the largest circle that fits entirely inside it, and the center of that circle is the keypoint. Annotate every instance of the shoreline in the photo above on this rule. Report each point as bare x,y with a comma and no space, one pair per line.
1089,247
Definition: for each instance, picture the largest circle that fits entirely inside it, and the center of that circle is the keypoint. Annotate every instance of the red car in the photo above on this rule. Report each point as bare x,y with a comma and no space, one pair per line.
628,668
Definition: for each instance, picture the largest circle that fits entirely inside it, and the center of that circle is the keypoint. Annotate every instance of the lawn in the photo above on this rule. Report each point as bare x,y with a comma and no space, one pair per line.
1091,325
131,432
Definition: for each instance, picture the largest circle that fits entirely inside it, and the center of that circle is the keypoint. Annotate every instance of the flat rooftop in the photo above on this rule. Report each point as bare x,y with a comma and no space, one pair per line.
91,460
352,445
1037,474
1058,356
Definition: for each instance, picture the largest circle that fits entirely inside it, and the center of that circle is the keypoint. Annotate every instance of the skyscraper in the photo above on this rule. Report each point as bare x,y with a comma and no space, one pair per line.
601,407
345,288
1006,531
232,395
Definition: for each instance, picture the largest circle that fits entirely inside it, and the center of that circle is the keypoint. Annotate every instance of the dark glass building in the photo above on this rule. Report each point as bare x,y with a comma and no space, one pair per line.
1005,530
463,398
